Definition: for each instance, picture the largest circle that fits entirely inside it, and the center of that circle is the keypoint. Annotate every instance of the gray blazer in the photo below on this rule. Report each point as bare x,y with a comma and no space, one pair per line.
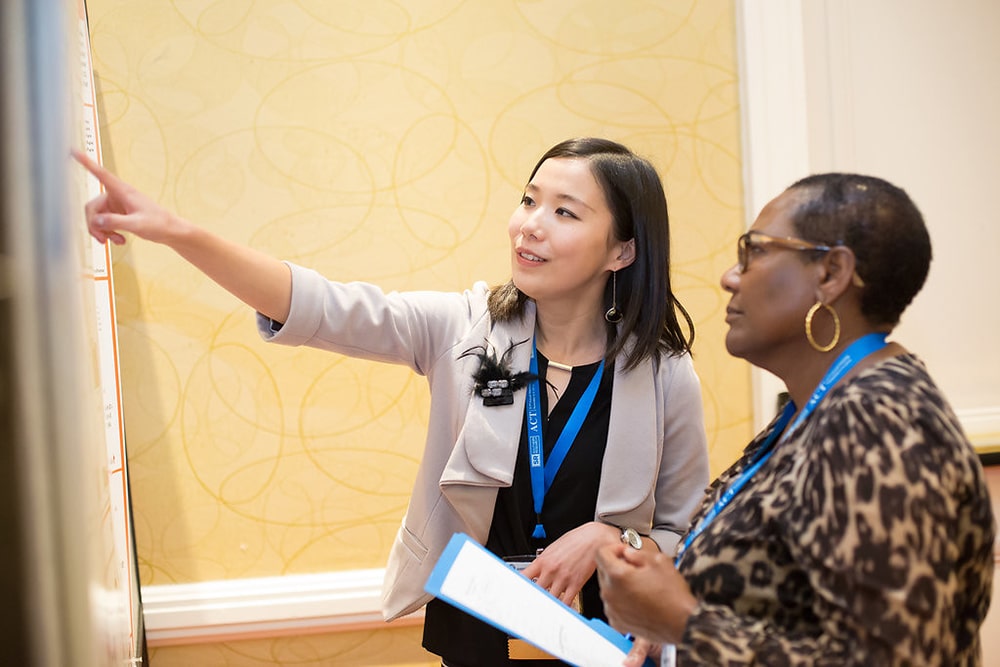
655,467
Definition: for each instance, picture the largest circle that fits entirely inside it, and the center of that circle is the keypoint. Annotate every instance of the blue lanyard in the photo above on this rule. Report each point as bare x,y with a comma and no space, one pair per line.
854,353
542,471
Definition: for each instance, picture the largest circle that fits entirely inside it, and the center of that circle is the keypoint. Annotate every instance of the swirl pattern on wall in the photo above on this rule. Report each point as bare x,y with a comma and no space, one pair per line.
385,142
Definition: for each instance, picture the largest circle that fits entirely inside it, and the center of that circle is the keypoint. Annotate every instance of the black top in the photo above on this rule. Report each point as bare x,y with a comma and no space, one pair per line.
465,641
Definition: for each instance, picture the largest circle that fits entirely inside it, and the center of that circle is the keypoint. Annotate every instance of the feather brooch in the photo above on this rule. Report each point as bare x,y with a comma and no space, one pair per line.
494,380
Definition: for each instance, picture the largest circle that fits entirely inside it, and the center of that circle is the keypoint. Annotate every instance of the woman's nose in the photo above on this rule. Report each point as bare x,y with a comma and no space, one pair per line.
531,224
730,280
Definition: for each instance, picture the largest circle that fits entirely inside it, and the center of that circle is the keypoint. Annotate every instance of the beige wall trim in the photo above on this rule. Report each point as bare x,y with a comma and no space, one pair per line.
982,425
775,127
788,133
234,609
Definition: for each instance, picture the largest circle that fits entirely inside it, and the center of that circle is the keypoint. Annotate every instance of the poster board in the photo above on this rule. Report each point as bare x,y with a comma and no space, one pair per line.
124,574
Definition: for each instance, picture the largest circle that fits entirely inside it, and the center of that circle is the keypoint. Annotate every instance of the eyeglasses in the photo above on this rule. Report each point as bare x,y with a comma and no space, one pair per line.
754,240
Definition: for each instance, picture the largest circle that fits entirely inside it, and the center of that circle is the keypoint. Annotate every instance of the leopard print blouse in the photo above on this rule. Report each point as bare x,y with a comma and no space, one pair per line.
866,539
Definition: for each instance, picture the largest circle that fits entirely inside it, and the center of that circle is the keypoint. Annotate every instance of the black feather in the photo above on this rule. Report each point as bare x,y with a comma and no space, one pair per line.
494,380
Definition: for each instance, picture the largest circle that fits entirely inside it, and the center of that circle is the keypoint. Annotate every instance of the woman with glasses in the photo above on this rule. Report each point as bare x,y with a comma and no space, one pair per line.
565,410
856,529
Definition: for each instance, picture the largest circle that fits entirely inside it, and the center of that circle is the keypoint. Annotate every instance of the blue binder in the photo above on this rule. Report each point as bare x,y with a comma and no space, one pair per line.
475,580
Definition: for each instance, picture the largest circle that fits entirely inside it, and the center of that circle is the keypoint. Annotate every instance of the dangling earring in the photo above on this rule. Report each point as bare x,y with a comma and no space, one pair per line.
836,327
614,316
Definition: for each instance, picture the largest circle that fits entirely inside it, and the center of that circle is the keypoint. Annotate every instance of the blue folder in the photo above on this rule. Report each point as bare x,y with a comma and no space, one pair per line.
480,592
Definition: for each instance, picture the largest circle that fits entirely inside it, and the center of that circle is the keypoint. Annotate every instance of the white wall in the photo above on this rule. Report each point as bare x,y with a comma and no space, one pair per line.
906,90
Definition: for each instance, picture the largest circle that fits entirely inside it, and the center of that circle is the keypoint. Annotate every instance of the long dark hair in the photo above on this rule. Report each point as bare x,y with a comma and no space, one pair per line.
650,309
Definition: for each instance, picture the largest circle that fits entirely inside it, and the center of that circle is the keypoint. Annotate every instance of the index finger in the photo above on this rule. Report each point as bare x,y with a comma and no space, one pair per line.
100,173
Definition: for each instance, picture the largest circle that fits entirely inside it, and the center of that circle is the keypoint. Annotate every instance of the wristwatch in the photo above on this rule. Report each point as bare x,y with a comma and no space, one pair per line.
632,538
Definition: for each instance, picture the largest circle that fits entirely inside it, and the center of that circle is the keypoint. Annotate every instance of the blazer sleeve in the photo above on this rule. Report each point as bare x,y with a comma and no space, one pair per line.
360,320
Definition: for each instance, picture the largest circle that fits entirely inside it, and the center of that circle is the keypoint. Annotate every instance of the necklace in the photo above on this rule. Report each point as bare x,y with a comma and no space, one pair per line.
562,367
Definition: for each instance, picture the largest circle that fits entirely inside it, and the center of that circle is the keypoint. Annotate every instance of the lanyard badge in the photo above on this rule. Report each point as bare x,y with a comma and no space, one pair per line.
542,471
854,353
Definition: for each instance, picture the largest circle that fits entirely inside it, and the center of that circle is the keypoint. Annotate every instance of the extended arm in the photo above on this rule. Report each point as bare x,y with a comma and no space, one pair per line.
262,282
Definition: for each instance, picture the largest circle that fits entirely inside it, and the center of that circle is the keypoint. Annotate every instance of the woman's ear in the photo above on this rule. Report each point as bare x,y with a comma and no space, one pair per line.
839,267
626,253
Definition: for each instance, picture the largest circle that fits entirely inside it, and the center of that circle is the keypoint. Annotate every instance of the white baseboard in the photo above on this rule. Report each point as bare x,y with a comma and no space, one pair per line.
228,610
982,425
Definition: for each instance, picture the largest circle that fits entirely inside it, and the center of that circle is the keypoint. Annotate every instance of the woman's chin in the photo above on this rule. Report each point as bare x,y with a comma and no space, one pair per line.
734,346
525,286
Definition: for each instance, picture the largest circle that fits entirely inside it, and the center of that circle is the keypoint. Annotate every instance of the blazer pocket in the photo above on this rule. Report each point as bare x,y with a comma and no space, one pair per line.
416,548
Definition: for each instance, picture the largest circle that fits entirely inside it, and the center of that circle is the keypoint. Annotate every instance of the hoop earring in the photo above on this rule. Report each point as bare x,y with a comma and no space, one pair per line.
836,327
613,315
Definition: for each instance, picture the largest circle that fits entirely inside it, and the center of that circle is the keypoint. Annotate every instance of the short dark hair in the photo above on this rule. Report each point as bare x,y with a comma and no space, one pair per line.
882,226
638,204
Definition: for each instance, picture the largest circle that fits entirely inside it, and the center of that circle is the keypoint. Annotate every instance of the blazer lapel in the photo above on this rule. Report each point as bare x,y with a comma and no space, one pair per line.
485,452
628,473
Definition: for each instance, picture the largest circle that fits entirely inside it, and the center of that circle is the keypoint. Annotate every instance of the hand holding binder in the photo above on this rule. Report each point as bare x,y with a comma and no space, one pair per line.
475,580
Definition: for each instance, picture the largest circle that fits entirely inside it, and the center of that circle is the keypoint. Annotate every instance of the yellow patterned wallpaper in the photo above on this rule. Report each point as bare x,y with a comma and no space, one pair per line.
386,142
